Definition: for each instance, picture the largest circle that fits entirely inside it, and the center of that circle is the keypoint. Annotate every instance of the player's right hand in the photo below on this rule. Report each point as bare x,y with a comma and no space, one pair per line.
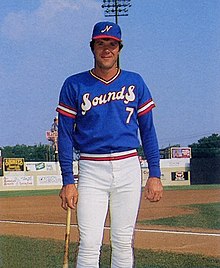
69,196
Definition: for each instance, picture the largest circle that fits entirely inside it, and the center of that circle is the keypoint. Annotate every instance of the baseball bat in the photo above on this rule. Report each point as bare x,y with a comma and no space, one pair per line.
67,239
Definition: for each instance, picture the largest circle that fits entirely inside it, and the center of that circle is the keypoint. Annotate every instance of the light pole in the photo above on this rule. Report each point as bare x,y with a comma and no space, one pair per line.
116,8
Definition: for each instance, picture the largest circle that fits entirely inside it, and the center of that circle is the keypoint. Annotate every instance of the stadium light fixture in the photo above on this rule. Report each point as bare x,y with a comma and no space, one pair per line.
116,8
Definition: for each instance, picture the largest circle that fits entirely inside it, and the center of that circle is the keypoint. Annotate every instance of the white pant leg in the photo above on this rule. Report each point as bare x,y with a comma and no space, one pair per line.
124,204
122,179
93,188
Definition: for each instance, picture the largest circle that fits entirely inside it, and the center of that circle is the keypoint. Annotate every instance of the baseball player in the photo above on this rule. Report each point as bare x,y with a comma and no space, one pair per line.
100,112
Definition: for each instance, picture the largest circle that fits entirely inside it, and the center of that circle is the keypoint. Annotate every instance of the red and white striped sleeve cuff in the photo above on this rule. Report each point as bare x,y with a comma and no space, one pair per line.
66,110
146,107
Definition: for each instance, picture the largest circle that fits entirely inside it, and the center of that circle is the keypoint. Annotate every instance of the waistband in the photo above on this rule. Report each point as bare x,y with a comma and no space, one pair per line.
108,157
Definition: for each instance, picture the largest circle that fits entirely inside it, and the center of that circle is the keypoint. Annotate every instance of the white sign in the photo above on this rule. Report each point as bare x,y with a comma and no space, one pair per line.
49,180
169,163
40,166
18,181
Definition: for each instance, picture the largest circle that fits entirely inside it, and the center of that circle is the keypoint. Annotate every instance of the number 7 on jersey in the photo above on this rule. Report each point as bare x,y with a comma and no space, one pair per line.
130,110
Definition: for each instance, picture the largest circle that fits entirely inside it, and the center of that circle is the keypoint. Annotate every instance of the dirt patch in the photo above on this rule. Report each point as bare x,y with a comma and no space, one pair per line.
42,217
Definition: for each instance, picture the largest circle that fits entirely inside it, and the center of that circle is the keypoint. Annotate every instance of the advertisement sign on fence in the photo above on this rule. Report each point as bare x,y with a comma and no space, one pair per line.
49,180
14,164
180,152
18,181
41,166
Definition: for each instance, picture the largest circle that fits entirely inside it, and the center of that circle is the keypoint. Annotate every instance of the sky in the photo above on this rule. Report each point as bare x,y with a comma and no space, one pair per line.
173,44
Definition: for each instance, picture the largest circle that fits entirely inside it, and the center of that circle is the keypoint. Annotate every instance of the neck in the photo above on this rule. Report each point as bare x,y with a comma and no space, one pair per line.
105,74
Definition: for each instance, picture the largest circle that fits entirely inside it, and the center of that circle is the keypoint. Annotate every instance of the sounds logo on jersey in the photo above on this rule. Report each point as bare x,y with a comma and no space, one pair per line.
125,95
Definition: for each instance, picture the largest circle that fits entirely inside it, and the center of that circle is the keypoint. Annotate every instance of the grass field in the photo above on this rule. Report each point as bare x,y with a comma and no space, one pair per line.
21,252
205,216
25,252
55,192
28,193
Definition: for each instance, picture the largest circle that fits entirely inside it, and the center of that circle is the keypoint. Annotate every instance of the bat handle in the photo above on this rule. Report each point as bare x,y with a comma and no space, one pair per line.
67,239
68,220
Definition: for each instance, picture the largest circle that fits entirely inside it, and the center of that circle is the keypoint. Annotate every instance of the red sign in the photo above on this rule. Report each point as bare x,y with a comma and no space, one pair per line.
181,152
52,136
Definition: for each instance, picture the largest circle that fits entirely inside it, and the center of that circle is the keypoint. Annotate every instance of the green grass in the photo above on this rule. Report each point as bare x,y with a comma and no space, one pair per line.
56,191
28,193
204,216
192,187
23,252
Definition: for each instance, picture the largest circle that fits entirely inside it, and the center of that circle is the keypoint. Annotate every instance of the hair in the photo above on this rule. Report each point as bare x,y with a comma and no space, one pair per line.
93,41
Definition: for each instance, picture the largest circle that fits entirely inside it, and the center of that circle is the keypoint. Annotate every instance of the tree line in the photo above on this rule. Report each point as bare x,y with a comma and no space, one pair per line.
31,153
206,147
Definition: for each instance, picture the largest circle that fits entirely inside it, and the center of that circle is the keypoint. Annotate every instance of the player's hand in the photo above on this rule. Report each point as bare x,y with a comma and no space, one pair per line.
153,189
69,196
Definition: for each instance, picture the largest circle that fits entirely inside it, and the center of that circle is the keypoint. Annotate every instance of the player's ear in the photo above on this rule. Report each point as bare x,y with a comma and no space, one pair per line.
120,46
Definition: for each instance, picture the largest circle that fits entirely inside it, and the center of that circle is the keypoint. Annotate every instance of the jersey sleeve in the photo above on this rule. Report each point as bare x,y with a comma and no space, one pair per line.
67,100
150,144
145,101
67,113
147,131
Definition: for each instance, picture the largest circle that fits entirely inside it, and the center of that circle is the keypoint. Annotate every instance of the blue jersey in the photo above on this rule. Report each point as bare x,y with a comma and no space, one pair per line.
103,117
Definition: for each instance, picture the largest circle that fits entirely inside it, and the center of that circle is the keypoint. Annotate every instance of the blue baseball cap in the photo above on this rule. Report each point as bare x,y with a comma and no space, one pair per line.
106,29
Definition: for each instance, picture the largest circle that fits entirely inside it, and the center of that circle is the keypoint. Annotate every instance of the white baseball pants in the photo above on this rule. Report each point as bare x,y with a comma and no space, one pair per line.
115,184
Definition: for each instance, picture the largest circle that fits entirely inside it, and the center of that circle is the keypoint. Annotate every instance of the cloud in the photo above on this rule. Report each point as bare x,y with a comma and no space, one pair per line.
50,15
39,48
52,34
50,8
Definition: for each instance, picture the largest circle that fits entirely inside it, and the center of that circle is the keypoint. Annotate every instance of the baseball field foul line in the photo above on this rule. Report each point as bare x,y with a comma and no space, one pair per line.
107,228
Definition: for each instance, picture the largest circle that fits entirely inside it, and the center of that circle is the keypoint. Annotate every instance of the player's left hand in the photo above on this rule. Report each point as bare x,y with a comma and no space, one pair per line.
153,189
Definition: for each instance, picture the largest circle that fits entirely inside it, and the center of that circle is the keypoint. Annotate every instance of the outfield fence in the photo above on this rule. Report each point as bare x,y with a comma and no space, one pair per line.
20,175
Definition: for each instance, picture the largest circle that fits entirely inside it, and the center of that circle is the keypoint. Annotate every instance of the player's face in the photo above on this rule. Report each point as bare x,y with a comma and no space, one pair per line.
106,52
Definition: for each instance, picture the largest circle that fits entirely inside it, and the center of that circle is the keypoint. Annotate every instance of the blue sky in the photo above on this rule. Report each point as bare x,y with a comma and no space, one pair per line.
173,44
